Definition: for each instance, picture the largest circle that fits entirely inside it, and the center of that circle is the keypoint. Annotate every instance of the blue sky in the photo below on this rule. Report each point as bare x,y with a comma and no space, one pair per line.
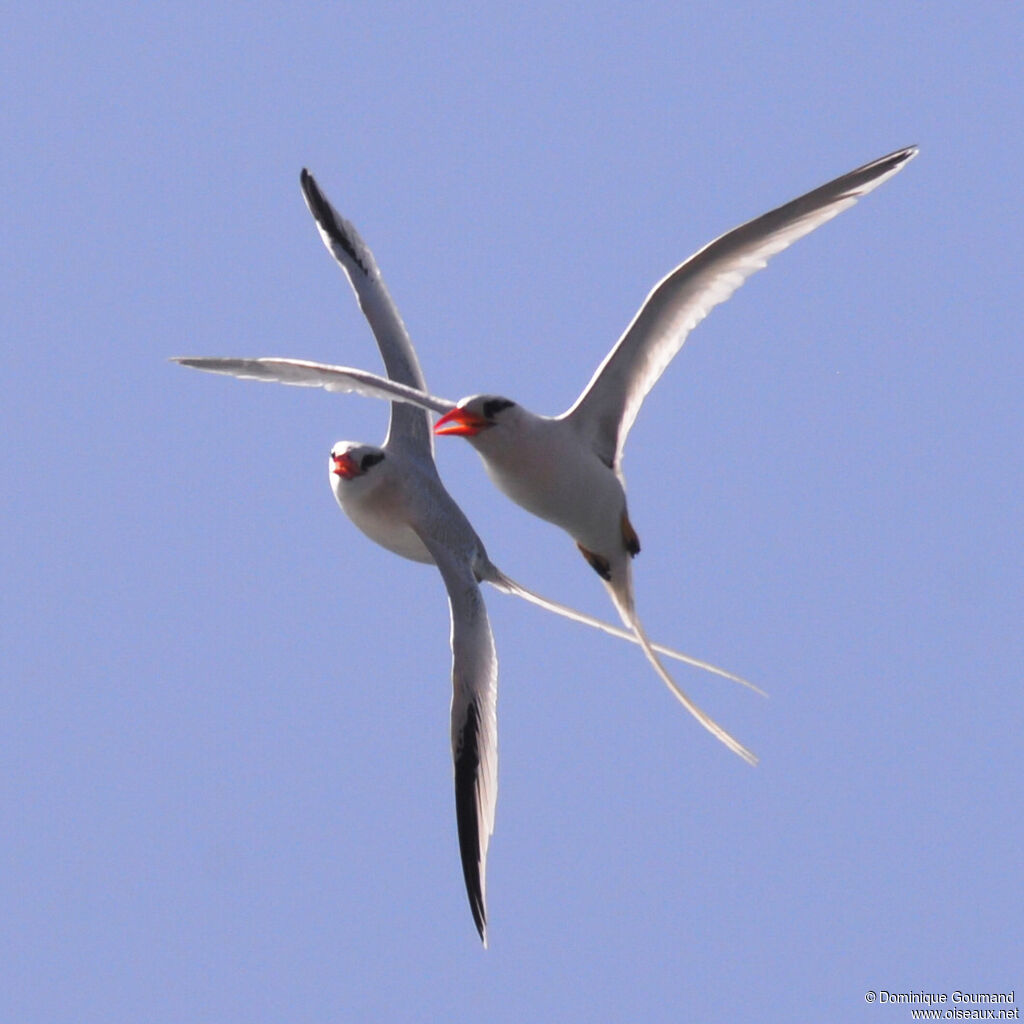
226,783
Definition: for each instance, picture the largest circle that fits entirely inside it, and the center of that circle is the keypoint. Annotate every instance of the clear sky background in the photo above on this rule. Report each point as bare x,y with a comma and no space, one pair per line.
226,779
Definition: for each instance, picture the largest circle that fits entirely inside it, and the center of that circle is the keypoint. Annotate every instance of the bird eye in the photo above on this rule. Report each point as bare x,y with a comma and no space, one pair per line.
495,405
371,460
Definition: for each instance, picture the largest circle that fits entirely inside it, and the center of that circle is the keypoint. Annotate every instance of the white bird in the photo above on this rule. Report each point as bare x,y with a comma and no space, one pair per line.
393,493
547,463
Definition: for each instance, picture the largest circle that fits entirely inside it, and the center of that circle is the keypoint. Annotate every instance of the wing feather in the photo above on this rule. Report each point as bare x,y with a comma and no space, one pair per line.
474,722
608,406
303,373
409,427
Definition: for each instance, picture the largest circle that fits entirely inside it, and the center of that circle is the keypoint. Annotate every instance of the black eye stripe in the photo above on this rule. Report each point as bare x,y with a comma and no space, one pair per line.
493,406
371,460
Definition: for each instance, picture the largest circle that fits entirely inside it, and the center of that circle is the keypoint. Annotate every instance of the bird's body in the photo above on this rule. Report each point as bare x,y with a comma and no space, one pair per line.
382,504
568,469
394,495
397,500
547,469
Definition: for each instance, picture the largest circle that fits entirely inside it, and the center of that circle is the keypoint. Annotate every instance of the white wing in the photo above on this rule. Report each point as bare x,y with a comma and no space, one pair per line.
474,722
304,373
606,409
408,427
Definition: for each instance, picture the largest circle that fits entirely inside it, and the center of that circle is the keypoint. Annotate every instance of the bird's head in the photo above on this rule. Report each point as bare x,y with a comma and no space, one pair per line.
476,415
351,461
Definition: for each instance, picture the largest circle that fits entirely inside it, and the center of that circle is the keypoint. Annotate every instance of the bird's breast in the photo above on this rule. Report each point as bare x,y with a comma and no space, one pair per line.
552,475
382,515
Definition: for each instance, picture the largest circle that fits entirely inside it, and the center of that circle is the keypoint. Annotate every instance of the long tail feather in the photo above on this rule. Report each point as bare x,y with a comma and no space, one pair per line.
705,719
622,595
510,586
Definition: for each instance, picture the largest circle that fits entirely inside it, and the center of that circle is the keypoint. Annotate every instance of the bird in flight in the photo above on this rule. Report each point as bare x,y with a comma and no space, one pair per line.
394,495
567,469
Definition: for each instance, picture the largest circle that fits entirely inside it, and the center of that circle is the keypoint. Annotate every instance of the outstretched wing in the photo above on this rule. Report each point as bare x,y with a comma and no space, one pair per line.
304,373
409,427
474,722
605,411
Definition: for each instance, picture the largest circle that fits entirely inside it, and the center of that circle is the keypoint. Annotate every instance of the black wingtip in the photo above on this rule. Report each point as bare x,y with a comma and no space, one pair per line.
894,161
316,200
327,218
467,777
903,155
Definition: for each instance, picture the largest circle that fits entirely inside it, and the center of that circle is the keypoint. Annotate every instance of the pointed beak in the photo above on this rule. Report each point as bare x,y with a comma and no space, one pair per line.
344,466
460,423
